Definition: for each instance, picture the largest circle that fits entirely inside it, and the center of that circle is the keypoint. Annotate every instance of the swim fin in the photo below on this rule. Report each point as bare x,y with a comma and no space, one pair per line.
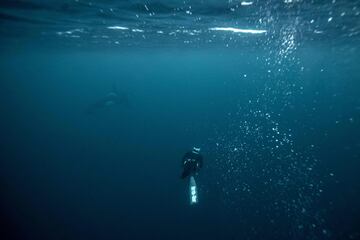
193,191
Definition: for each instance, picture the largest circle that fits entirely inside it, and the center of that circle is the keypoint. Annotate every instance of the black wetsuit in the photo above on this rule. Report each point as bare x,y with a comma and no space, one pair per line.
191,163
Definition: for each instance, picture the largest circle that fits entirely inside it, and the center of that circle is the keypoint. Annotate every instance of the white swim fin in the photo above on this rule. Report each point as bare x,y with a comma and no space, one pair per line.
193,191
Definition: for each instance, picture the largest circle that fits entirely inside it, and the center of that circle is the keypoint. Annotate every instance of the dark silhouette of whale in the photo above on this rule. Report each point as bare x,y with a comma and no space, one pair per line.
112,99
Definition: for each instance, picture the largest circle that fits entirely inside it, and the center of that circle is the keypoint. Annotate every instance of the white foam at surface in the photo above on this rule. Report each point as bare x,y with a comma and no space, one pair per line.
238,30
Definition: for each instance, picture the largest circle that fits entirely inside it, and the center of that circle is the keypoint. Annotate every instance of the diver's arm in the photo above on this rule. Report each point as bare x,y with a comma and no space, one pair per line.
200,161
185,157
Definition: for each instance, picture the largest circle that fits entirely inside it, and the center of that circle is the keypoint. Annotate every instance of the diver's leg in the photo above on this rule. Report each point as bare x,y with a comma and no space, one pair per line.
188,169
185,173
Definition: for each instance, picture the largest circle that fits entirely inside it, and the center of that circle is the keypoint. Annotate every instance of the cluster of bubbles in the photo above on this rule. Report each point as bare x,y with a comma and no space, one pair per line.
263,170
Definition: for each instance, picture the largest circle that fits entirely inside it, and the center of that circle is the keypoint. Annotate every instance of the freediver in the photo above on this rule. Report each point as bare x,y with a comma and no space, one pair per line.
192,162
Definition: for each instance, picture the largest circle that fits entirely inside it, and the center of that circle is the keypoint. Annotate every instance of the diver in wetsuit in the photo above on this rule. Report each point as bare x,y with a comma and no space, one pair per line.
192,162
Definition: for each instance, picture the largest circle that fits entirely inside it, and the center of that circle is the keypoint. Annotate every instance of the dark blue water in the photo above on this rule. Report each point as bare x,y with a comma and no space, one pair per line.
268,89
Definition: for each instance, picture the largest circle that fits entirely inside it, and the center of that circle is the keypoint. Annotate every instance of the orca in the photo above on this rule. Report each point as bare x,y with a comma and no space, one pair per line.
112,99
